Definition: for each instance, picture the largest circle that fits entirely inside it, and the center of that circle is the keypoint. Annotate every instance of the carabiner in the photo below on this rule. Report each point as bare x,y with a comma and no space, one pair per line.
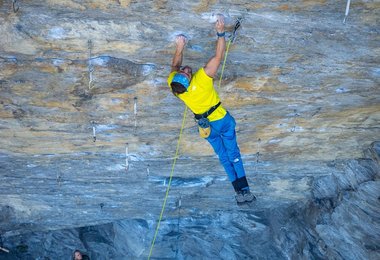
237,26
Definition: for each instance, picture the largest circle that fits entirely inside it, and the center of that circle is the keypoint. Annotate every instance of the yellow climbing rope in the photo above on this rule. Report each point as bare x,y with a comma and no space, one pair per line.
224,62
170,180
232,38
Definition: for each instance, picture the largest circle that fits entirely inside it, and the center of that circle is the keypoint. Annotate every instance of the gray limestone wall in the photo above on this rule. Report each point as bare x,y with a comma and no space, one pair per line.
338,219
302,85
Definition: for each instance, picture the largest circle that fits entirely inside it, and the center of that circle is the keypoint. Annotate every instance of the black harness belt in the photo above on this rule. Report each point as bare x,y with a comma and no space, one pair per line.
207,113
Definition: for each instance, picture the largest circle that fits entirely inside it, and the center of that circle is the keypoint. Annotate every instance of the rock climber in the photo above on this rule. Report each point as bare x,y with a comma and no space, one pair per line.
215,123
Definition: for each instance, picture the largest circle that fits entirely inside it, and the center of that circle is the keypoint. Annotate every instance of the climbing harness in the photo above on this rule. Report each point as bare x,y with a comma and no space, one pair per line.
90,66
170,180
208,112
14,3
232,39
204,123
347,10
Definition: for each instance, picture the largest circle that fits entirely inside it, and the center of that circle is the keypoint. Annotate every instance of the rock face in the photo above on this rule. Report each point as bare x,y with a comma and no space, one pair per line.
318,210
84,97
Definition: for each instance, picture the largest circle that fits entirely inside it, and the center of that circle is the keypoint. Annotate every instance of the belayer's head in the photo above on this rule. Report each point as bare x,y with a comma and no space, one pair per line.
77,255
181,80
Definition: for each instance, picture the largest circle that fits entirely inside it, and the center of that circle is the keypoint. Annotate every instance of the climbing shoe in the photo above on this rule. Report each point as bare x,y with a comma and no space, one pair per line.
244,196
248,196
239,197
242,190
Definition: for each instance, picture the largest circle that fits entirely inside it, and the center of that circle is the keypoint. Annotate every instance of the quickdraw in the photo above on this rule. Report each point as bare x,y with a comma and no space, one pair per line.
347,10
14,3
237,26
90,66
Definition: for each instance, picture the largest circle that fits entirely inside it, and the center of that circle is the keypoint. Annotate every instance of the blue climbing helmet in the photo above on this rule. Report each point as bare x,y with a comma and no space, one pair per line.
182,79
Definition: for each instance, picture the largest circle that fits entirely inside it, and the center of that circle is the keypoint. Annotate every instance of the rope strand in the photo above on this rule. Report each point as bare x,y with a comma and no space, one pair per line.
232,38
224,63
170,180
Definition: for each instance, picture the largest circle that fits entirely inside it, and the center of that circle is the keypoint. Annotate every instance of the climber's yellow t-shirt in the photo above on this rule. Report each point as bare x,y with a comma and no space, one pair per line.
201,95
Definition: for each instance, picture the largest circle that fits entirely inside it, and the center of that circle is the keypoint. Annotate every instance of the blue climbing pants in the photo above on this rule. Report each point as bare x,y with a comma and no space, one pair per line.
223,139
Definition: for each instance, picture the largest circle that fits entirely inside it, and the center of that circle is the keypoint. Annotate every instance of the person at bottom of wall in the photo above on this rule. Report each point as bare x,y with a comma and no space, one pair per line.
79,256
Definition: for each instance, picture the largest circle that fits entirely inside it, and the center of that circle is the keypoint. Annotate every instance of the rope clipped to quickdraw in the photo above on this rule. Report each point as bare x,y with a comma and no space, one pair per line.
232,39
170,181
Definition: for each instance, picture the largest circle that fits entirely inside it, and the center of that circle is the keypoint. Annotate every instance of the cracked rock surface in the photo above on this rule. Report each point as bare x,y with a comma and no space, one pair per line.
302,85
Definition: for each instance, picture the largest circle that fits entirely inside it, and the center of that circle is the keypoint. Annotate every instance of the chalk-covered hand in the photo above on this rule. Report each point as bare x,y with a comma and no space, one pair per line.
219,25
180,41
